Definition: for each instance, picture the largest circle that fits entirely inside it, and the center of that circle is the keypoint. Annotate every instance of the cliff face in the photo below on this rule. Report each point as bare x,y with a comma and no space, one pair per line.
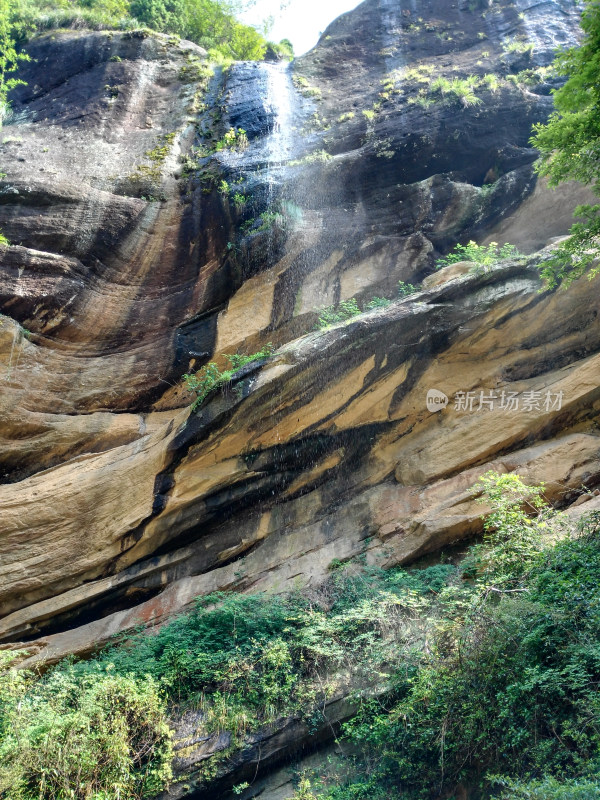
145,243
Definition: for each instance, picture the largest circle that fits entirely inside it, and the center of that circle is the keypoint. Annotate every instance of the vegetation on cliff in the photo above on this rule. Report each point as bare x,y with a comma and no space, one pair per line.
9,57
570,144
481,673
210,23
505,703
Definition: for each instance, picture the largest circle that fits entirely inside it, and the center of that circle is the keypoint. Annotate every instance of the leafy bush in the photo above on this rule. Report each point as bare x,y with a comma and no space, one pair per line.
461,89
568,146
517,46
483,256
234,139
9,56
210,377
510,687
406,289
93,735
348,309
331,315
97,729
283,49
209,23
377,302
270,219
550,789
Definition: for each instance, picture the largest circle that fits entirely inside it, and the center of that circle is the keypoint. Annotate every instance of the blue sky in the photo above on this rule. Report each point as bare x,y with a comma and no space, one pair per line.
301,21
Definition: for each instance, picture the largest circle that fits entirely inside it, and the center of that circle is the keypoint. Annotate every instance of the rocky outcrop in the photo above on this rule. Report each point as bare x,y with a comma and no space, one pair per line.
327,451
145,242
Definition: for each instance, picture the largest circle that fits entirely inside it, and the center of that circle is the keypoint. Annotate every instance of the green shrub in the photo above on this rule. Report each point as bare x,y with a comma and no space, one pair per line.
284,49
461,89
96,735
240,200
10,57
270,219
509,688
549,789
210,377
377,302
483,256
517,46
491,678
317,157
331,315
406,289
234,139
209,23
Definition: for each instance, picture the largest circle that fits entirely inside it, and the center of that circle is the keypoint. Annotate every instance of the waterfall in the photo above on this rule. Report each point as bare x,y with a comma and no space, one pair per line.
279,99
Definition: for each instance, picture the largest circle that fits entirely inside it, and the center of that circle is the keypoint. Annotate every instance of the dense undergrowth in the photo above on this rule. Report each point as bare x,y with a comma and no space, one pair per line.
506,702
210,23
482,673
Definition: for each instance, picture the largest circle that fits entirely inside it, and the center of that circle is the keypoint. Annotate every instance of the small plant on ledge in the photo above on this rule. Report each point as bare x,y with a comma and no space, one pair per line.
348,309
210,377
406,289
483,256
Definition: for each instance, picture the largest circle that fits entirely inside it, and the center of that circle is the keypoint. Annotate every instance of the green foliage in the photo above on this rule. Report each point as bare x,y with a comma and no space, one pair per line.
96,729
506,696
147,177
81,735
492,81
240,200
517,46
377,302
317,157
460,89
305,88
490,671
210,377
283,49
514,528
483,256
331,315
250,657
406,289
210,23
549,789
269,219
234,139
569,146
3,239
9,56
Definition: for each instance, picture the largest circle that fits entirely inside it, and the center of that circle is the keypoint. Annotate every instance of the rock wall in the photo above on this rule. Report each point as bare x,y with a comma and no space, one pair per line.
142,246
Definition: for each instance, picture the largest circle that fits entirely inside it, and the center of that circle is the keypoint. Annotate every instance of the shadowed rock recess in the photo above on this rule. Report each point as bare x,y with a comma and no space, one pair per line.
145,242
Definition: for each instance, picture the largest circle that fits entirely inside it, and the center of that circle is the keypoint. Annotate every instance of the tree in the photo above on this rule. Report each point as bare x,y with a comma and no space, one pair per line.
9,57
569,145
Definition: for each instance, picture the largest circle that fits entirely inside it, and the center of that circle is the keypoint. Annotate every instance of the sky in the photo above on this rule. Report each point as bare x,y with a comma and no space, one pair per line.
301,21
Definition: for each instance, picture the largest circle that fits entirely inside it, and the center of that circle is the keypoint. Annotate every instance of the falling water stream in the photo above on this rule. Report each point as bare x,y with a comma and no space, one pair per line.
280,92
279,148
